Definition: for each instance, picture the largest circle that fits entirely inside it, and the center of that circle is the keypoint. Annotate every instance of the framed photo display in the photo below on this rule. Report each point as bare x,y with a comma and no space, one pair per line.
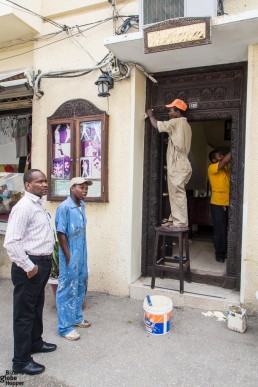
78,147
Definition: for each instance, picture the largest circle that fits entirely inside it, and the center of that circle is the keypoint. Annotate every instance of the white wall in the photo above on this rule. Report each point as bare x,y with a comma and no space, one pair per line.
237,6
114,228
138,92
249,271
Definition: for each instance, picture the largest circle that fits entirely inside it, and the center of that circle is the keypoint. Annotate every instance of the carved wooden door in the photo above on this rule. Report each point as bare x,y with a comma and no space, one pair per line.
220,92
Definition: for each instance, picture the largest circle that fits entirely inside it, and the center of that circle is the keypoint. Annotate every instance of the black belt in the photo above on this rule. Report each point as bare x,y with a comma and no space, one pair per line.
39,257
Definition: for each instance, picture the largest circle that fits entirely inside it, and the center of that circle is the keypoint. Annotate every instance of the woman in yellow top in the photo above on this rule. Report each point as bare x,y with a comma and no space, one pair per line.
219,176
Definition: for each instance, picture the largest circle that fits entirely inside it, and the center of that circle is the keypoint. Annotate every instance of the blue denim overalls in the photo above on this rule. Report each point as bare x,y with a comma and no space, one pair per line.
73,278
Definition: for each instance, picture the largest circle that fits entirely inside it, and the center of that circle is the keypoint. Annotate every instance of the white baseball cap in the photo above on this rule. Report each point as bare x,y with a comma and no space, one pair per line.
79,180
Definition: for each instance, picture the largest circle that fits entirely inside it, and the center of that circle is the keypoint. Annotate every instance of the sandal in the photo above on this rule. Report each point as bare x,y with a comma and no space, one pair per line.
83,324
167,224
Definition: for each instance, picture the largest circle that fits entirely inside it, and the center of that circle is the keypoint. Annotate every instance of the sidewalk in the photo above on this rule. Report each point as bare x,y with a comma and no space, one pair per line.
117,351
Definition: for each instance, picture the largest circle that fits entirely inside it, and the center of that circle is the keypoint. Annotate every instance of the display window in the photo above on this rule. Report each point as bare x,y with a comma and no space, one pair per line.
15,158
78,147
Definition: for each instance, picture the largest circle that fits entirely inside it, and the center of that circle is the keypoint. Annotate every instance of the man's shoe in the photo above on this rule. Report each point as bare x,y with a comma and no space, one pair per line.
46,347
221,260
32,368
74,335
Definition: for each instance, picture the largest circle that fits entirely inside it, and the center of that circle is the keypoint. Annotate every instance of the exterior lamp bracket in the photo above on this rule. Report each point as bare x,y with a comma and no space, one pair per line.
104,82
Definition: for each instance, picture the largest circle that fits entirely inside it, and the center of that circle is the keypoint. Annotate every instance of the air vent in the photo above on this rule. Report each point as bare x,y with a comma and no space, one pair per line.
155,11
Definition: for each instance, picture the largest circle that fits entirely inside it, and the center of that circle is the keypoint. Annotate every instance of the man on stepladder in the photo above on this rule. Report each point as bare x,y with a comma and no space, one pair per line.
179,169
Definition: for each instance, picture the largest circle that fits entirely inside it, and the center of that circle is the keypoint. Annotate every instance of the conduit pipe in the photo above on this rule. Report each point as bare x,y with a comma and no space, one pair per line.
39,93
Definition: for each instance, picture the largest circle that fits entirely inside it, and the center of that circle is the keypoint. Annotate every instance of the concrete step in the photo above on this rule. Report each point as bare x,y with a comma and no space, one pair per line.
198,296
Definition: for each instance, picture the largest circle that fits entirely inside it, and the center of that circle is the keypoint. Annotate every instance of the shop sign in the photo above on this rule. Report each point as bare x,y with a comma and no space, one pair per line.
178,33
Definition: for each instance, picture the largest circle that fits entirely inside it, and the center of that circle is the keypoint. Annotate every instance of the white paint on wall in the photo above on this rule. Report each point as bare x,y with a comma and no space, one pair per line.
239,6
138,92
249,269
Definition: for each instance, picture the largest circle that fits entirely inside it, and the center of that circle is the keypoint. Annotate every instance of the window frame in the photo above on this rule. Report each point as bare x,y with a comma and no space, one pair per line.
75,155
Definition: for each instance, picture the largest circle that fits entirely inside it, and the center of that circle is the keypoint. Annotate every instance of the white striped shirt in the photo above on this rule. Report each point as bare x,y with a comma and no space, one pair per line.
29,231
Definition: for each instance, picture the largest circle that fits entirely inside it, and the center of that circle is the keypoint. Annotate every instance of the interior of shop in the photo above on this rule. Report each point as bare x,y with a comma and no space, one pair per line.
15,156
206,136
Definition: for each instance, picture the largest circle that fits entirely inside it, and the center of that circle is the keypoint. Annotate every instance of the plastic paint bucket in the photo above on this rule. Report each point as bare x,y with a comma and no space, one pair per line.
157,318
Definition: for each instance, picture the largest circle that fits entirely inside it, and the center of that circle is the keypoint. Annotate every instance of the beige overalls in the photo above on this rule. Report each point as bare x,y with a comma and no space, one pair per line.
179,169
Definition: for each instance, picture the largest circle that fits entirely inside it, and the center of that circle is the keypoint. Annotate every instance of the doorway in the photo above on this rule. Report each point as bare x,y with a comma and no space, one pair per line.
218,96
206,136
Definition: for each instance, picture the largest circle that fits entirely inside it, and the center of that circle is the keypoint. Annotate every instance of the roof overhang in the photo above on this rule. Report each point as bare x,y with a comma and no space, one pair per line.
16,88
230,37
15,24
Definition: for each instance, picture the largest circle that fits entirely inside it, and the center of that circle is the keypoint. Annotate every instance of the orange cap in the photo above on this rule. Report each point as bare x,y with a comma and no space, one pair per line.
179,104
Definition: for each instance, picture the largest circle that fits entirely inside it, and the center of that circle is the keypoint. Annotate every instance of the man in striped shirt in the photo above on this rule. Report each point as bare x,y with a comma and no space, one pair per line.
29,242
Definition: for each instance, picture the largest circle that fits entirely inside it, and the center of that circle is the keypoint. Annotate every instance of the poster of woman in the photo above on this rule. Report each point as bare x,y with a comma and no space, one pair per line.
96,167
85,167
61,133
90,134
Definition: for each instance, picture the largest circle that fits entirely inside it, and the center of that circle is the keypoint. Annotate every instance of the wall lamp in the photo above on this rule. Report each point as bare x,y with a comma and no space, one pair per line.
104,82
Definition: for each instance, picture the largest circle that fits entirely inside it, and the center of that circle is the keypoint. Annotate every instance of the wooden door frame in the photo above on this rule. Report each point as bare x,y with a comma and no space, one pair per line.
221,95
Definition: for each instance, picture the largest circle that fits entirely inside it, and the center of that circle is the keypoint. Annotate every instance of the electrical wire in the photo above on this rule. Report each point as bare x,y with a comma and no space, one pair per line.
127,24
59,74
79,44
18,9
62,26
9,44
59,40
99,21
68,76
117,69
24,41
139,67
121,72
58,32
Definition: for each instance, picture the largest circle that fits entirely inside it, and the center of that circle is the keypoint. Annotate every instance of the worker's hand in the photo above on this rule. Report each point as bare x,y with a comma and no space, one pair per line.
33,272
149,112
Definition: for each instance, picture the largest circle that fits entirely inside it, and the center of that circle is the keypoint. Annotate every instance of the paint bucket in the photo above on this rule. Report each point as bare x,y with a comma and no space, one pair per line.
157,314
237,319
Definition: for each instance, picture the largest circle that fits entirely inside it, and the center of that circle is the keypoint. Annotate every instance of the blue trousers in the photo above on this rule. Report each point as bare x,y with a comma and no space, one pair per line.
71,291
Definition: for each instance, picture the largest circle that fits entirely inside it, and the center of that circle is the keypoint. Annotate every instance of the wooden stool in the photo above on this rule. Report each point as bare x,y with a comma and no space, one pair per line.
182,264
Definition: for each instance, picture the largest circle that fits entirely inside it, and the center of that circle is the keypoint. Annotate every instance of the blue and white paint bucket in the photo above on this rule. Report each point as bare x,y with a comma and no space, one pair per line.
157,314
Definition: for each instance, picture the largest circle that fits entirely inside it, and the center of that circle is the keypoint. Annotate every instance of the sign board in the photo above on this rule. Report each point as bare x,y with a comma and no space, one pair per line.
177,33
193,105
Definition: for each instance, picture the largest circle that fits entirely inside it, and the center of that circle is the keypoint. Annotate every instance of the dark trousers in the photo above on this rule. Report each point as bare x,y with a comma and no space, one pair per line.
219,216
28,303
22,164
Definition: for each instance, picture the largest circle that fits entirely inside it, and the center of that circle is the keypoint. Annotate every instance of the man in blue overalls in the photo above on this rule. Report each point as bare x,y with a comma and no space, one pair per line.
73,272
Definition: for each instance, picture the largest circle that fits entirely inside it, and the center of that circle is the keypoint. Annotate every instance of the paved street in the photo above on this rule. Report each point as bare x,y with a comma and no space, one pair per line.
117,351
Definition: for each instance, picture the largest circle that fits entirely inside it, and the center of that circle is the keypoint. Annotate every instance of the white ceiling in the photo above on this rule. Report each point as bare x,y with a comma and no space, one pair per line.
231,36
